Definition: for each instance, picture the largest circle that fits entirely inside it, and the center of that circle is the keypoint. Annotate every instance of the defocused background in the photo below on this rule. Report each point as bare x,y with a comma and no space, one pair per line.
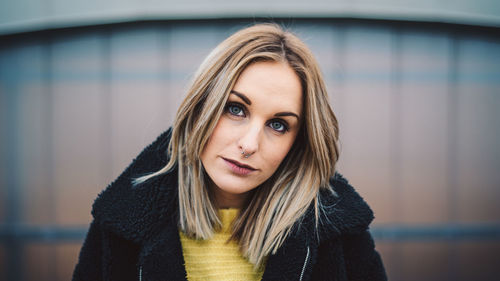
85,85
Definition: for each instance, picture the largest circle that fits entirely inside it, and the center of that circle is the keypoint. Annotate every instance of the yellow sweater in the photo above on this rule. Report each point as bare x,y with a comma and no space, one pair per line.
215,259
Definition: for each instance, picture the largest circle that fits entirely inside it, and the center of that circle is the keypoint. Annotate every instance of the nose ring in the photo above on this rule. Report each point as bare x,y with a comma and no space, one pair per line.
244,154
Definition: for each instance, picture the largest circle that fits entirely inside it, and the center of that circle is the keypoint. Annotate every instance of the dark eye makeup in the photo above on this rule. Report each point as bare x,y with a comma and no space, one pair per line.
239,110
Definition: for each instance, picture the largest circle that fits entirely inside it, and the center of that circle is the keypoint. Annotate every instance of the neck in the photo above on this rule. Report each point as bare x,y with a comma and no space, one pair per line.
225,200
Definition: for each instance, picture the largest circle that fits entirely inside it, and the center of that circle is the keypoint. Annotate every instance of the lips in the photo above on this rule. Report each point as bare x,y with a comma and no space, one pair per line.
239,168
239,164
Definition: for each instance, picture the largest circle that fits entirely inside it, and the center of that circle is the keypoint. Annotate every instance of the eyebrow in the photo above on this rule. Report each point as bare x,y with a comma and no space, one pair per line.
247,101
242,96
287,114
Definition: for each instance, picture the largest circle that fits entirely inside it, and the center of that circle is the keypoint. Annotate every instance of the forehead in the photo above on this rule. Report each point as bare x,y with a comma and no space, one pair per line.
271,84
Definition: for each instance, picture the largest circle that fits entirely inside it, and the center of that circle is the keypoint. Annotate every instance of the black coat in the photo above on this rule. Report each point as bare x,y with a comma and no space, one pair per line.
134,233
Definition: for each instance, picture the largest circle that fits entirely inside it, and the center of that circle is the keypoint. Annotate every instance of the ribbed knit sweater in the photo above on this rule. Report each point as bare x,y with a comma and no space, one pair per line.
217,259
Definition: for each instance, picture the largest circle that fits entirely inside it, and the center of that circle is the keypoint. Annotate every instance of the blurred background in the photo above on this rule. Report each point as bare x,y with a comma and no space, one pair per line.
85,85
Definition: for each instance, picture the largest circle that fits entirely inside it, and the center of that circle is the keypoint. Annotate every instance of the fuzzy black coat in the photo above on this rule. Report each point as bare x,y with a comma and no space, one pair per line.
134,234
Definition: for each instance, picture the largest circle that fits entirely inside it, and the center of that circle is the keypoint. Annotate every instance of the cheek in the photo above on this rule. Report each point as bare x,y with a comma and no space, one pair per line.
275,153
220,139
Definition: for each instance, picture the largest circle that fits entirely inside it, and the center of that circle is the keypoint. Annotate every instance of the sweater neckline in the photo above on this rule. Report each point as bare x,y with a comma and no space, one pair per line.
227,217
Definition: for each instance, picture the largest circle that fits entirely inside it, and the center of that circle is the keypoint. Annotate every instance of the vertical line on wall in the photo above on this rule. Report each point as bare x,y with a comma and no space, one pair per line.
165,67
48,138
340,38
107,108
13,246
339,83
49,119
452,135
3,152
395,143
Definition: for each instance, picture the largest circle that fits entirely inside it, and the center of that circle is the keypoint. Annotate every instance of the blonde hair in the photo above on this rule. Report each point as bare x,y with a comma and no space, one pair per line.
273,208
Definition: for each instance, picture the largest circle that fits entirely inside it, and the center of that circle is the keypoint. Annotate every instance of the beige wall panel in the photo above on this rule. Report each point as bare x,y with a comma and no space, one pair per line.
365,149
31,131
365,123
477,260
478,156
478,136
49,262
330,53
136,53
139,114
423,261
424,171
189,45
386,251
140,108
66,257
39,263
177,93
79,157
79,122
34,155
324,43
143,108
423,126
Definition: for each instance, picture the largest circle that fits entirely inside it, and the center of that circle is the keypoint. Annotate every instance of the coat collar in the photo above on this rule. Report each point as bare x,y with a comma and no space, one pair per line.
342,211
138,212
147,214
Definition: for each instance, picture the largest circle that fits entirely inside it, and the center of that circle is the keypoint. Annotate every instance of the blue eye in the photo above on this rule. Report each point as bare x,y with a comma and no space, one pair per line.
236,110
278,126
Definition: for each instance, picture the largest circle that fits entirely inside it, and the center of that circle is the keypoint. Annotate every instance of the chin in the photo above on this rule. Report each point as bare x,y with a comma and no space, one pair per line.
235,185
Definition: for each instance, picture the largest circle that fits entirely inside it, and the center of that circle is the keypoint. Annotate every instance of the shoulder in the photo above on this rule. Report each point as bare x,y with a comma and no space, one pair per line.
133,211
342,210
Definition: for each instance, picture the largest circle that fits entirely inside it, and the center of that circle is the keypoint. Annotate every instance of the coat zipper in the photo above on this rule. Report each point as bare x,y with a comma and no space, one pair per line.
305,264
140,273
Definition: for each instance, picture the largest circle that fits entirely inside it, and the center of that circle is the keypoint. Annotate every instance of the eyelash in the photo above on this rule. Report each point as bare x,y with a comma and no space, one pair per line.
243,110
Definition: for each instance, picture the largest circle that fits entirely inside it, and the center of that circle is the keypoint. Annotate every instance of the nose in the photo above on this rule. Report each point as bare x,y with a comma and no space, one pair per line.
249,140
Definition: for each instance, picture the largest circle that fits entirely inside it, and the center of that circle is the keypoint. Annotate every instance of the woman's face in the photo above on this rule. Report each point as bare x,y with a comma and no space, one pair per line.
262,119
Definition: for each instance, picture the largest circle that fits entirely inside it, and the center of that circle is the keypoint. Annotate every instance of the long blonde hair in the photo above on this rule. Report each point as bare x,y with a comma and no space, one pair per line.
273,208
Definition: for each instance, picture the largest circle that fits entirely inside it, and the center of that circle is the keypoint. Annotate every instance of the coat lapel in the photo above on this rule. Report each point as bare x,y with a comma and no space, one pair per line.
161,257
344,212
293,261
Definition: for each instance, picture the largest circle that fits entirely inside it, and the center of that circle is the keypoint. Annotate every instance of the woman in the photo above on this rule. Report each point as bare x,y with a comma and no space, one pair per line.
243,186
